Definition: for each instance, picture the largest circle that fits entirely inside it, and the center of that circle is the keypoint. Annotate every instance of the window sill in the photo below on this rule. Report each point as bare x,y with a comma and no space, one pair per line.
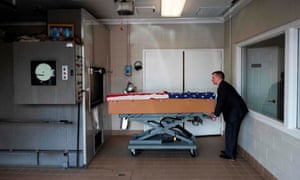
275,124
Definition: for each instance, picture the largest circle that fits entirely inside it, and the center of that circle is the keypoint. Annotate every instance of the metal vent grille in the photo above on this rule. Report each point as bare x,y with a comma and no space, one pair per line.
211,11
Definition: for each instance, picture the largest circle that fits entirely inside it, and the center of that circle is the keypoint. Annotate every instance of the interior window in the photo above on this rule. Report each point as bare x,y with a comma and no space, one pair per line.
263,77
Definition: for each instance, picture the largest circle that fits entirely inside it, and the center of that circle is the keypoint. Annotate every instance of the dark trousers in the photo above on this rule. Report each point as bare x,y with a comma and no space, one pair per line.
231,138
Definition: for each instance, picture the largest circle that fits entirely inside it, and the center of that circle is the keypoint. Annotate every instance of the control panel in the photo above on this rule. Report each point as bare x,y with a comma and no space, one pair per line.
78,71
64,72
47,72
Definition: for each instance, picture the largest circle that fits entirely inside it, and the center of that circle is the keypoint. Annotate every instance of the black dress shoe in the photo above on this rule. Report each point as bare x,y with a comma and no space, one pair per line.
227,157
223,152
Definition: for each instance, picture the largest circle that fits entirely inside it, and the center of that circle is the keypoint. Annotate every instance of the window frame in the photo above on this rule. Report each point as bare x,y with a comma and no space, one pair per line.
298,80
291,76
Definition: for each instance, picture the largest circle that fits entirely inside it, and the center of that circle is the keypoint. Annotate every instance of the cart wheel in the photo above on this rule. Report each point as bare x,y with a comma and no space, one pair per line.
193,152
133,152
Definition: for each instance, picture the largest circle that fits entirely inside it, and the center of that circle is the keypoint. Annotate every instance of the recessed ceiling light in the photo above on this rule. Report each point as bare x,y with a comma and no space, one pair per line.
172,8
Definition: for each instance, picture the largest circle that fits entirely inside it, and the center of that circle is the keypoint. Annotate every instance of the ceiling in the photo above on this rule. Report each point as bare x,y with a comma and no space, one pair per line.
36,10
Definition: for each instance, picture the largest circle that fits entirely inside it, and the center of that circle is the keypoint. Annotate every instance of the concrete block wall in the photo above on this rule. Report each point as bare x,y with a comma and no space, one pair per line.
274,149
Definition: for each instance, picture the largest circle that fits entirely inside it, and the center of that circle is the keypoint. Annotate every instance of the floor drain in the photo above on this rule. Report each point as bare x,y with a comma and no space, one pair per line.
121,174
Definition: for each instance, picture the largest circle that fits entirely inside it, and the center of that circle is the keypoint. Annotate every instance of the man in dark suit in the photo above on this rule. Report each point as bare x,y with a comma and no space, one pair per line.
234,109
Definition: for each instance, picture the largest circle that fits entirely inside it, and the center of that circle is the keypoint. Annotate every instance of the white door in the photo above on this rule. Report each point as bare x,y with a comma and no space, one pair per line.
198,66
262,77
163,70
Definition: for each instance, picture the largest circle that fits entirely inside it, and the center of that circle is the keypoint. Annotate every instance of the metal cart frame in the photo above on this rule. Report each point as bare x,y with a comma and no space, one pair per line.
166,132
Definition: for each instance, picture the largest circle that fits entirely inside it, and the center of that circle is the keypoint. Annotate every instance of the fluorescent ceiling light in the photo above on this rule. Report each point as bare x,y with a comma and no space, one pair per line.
172,8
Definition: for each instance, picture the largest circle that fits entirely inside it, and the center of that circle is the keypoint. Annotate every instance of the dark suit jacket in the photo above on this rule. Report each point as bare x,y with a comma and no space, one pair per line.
230,103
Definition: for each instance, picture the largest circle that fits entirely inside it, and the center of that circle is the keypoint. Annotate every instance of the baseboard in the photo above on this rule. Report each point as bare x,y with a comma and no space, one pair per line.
125,132
255,164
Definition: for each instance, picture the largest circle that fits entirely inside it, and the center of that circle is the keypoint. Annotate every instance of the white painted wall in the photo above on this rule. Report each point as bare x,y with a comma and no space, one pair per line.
154,36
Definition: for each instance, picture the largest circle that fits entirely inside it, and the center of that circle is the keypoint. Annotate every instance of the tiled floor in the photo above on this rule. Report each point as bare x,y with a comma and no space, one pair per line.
115,162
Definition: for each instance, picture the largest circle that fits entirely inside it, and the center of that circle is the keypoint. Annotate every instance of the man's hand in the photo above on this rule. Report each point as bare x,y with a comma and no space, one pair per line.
212,116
